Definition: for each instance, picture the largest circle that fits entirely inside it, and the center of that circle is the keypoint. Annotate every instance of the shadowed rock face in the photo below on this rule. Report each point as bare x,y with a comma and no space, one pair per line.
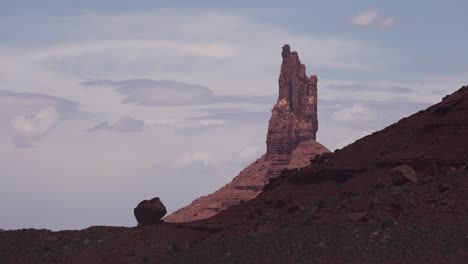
290,143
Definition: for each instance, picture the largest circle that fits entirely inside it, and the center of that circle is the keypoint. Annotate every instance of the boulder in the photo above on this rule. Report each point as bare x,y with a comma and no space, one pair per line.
403,174
150,211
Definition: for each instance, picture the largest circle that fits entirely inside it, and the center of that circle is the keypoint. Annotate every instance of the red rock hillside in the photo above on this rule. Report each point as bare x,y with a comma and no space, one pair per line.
290,143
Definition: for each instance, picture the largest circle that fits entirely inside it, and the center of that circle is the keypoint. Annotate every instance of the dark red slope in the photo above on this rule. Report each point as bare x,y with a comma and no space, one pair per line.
364,181
398,195
435,134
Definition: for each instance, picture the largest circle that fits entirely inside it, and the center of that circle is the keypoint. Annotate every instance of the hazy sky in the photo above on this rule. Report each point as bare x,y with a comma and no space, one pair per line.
106,103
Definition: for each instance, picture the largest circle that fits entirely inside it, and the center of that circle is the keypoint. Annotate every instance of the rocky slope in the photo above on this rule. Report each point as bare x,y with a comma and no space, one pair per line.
290,143
399,195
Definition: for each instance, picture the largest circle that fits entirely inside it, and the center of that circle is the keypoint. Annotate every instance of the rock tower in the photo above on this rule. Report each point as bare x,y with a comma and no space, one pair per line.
290,143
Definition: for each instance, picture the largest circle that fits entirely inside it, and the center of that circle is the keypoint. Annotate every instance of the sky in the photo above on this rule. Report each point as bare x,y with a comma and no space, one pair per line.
107,103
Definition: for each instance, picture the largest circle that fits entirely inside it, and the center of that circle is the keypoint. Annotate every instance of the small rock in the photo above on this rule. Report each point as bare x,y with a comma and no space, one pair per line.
443,187
403,174
356,216
452,206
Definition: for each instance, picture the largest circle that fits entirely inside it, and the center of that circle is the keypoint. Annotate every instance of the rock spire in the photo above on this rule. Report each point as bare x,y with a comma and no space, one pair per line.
290,143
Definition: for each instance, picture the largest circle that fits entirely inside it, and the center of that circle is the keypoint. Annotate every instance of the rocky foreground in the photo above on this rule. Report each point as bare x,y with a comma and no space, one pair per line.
399,195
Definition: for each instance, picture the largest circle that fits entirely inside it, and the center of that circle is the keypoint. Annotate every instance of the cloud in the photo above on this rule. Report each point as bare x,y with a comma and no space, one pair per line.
369,88
20,102
147,92
27,129
366,18
343,120
31,116
194,159
372,17
352,137
269,100
357,114
143,46
237,116
124,124
249,154
185,125
388,22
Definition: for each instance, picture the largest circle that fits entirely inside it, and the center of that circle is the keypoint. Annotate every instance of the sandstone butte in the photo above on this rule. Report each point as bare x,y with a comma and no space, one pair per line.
290,143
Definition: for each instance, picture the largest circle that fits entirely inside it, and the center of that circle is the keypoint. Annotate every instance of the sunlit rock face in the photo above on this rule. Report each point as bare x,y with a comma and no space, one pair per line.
290,143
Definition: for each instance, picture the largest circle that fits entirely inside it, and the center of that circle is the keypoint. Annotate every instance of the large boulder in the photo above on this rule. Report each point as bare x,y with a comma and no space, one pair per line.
150,211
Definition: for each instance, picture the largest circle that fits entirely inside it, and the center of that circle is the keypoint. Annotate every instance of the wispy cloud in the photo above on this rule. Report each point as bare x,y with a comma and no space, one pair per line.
356,115
249,154
142,45
370,88
147,92
195,159
124,124
373,17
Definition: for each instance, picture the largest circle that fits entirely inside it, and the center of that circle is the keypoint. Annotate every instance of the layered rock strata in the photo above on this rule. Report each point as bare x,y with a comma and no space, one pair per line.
290,143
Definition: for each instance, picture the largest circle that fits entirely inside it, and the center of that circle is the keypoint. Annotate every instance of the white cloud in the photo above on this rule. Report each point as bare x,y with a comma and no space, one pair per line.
355,135
28,129
358,114
372,17
195,159
29,117
366,18
388,22
250,153
182,125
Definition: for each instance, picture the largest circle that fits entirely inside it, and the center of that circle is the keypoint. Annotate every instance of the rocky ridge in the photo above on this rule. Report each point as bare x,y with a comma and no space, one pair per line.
290,143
